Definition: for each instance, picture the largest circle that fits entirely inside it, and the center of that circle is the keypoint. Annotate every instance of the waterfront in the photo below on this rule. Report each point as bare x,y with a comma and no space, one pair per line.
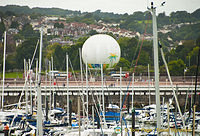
141,91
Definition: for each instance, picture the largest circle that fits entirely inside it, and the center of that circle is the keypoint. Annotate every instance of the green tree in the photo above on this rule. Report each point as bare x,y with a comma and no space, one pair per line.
176,67
2,28
144,58
163,19
1,56
9,13
28,32
59,25
193,56
17,37
35,15
2,15
58,55
14,24
123,63
192,70
25,51
11,61
140,69
128,47
73,52
92,32
180,16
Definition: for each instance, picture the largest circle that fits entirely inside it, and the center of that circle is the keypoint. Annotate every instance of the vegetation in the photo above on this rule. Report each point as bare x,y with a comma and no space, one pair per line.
135,53
12,75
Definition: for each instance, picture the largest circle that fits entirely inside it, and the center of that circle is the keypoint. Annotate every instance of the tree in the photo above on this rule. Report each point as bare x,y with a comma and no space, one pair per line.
176,67
25,51
28,32
2,28
88,15
123,63
9,13
193,56
59,57
144,58
140,69
11,61
2,15
163,19
14,25
17,37
92,32
73,52
196,14
57,25
1,56
128,47
183,50
180,16
138,15
192,70
35,15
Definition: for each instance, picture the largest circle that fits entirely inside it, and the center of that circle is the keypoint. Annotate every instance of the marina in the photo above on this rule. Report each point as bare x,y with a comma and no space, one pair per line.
62,104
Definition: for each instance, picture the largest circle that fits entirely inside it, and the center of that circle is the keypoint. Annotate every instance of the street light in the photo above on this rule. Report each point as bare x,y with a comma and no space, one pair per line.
185,70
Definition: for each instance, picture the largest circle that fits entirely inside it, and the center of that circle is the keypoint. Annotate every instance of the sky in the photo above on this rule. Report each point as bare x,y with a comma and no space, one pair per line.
115,6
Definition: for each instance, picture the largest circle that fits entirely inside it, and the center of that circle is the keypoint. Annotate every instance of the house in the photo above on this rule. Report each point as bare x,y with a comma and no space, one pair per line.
13,31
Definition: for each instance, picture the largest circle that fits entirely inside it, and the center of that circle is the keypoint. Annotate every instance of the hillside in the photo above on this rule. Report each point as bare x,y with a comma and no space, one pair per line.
43,11
66,31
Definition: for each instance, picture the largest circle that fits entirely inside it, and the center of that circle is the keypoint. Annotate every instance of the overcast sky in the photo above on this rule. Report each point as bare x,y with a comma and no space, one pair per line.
116,6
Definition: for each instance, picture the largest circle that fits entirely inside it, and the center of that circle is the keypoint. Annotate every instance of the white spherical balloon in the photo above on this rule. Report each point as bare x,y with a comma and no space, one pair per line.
101,49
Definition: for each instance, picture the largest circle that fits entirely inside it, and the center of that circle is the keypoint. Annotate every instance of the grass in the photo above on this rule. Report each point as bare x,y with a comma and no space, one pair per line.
12,75
146,21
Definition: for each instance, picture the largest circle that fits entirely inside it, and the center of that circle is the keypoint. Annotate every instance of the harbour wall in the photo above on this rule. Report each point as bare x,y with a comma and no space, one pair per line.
141,95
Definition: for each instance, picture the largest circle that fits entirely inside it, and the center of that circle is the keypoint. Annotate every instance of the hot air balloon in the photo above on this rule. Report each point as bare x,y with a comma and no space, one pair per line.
101,49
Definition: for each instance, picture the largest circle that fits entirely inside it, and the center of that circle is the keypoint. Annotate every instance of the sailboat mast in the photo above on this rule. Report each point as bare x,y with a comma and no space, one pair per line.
83,96
4,68
53,81
121,106
36,80
86,76
39,99
132,89
120,87
67,68
30,77
149,85
103,102
156,66
26,80
50,83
